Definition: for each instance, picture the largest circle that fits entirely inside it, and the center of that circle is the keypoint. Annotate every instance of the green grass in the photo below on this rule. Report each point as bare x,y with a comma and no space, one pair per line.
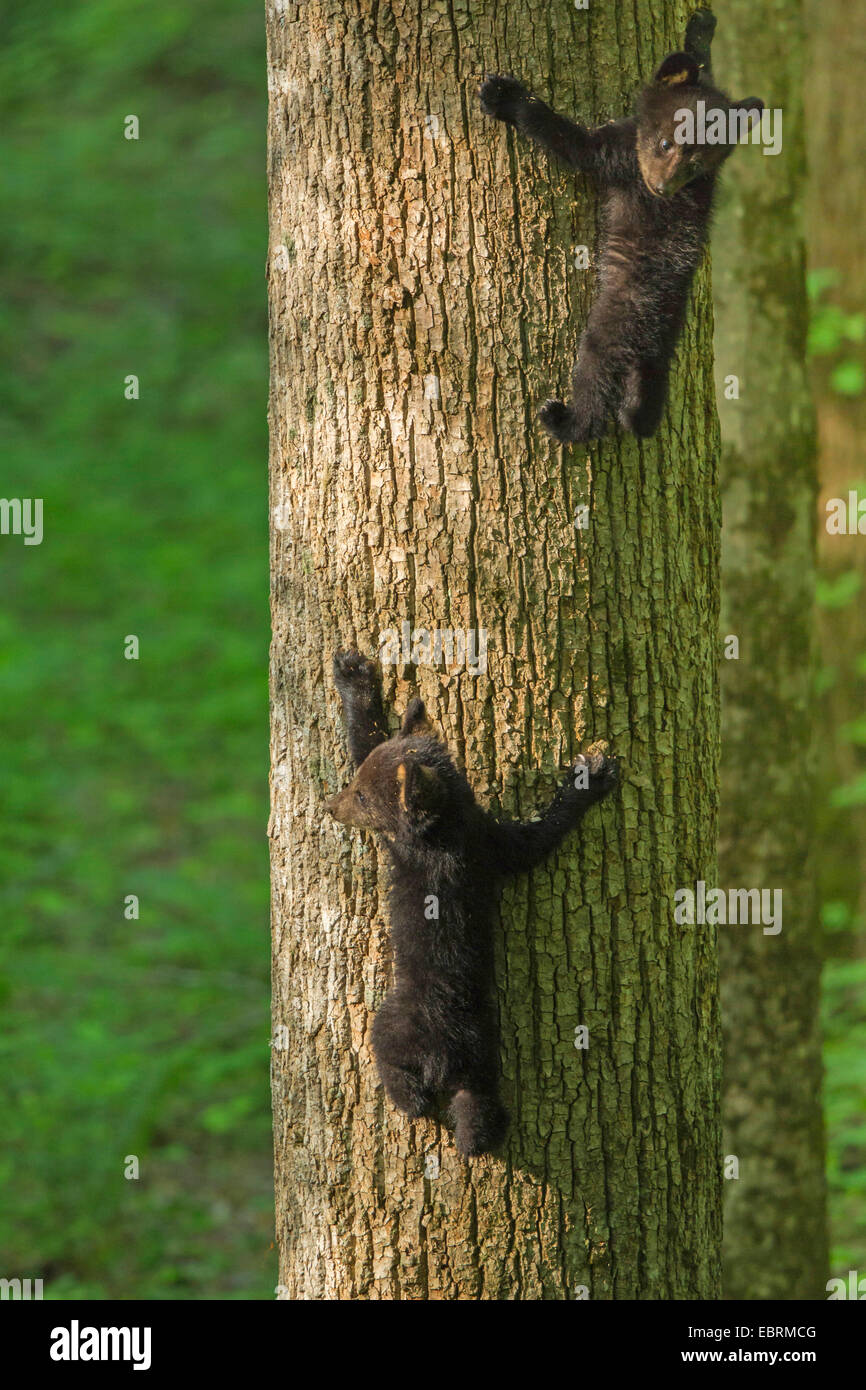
145,1037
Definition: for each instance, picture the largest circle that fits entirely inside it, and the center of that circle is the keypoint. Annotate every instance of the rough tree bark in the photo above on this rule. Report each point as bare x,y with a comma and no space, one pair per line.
425,297
775,1211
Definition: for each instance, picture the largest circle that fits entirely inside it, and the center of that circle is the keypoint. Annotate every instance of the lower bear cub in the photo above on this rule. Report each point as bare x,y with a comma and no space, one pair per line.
436,1033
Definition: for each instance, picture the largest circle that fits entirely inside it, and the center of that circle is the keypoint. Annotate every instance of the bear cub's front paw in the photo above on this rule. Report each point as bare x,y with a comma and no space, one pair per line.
601,770
700,29
353,673
501,97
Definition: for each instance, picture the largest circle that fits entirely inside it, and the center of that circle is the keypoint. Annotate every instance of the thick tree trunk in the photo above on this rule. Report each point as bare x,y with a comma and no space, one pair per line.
775,1223
425,298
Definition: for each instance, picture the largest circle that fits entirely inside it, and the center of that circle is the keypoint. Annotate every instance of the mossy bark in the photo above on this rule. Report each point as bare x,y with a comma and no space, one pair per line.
425,298
775,1223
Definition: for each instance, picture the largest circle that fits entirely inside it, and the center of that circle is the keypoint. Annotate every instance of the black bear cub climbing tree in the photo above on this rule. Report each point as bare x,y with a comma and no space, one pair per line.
436,1035
659,174
427,284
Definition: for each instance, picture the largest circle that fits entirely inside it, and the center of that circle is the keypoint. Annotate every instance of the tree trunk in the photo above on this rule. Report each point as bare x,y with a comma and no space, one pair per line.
836,211
836,203
425,297
775,1223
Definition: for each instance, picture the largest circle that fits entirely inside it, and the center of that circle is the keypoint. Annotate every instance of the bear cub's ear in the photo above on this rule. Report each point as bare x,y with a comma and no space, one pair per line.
420,790
678,70
415,719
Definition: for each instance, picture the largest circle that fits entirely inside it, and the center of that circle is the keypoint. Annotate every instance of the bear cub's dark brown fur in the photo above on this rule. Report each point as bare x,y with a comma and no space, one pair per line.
436,1034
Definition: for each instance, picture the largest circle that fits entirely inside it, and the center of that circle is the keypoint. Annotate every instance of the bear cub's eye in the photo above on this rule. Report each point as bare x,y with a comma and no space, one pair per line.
362,800
666,145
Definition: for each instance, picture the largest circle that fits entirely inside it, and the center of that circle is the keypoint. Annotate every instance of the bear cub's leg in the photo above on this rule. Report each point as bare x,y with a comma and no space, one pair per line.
359,688
605,355
405,1089
585,416
400,1056
644,398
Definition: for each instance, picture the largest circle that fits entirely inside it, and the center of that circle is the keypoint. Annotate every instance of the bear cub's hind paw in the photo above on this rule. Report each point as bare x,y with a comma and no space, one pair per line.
558,420
480,1123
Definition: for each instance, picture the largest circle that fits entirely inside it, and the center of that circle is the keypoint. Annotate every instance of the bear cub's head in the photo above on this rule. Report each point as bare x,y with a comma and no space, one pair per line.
405,788
670,150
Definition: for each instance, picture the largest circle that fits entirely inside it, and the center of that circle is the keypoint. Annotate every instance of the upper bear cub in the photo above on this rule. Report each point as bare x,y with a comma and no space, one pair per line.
436,1032
658,201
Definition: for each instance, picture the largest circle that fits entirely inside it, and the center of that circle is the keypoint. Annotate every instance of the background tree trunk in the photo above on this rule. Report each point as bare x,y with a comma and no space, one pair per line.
775,1219
836,204
836,211
425,300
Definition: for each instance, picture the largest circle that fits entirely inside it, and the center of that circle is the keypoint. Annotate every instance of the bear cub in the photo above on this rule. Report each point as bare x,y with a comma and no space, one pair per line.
436,1034
658,199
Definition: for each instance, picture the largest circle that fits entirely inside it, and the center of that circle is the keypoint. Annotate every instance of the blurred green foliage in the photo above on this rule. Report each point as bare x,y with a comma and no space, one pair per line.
834,334
838,591
844,989
844,975
145,1037
835,343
